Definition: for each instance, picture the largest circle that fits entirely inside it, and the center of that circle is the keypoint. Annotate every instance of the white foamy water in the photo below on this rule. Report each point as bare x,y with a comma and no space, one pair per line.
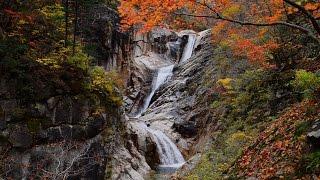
188,49
162,75
170,156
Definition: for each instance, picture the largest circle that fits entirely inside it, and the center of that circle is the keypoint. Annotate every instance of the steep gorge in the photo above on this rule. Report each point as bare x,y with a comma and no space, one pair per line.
158,117
158,105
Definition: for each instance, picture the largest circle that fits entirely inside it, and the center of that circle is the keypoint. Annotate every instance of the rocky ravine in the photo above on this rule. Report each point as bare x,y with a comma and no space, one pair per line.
66,134
176,108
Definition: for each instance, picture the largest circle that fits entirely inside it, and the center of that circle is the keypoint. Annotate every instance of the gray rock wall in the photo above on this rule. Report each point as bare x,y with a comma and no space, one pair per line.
62,137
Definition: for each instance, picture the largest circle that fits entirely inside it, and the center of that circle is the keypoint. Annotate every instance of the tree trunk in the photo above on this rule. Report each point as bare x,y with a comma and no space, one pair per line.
66,22
75,27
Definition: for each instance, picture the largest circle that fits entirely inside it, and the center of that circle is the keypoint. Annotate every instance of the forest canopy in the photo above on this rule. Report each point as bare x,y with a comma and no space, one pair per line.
248,27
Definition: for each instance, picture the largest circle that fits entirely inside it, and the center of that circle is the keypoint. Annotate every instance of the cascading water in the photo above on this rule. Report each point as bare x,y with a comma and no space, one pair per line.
163,74
188,49
170,156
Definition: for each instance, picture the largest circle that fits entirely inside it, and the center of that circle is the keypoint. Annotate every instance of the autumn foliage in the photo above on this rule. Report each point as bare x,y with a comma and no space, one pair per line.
245,26
278,152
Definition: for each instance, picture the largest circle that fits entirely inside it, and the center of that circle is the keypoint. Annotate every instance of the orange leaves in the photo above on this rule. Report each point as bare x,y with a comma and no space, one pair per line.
17,15
147,14
312,6
246,47
255,52
247,39
277,150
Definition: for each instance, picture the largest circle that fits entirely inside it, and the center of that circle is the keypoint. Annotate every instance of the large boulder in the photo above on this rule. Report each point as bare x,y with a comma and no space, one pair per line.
20,137
313,135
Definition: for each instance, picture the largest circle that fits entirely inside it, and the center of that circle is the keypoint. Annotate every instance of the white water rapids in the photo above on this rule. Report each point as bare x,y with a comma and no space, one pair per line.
170,156
188,50
162,75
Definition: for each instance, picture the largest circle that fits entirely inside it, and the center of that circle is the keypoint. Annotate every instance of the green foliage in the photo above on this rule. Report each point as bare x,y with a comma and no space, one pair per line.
104,84
79,60
302,128
311,162
307,83
252,93
217,161
215,104
257,94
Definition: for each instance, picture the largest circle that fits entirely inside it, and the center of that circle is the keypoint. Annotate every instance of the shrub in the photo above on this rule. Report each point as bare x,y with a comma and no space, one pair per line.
105,85
238,139
226,83
79,60
252,92
259,94
311,162
307,83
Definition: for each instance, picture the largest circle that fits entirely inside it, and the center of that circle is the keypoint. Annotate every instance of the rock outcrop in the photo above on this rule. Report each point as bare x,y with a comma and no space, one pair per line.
110,47
156,49
176,108
61,137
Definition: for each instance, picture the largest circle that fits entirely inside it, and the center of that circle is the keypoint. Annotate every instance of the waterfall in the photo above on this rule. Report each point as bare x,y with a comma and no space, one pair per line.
163,74
188,49
170,156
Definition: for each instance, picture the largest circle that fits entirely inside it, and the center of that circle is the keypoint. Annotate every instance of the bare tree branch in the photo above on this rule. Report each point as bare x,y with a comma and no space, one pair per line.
306,31
307,13
243,23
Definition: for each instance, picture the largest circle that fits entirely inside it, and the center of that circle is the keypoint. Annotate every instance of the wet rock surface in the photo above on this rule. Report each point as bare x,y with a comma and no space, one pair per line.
175,108
314,135
156,49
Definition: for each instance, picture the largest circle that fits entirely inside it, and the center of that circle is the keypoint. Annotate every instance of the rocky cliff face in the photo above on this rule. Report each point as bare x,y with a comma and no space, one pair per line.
176,108
64,136
104,40
181,106
155,49
52,126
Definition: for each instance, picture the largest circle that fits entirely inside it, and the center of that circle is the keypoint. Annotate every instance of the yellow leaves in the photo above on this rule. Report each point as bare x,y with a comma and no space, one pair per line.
226,83
232,10
238,138
52,62
22,22
53,12
105,83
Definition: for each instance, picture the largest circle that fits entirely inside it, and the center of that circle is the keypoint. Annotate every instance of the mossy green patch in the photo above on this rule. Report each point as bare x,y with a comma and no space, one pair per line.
18,114
311,162
302,128
34,125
